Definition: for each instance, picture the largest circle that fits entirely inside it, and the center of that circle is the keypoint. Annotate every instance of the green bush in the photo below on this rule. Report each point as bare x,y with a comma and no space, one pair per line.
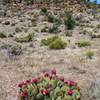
53,19
54,42
2,35
15,49
68,33
33,20
89,54
83,43
69,21
44,10
24,38
53,28
29,1
49,86
58,44
18,29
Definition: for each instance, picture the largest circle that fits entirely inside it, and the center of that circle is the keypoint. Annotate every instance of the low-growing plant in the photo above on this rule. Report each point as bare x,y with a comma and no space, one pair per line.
24,38
89,54
15,49
53,28
54,19
58,44
49,86
2,35
51,18
29,1
95,35
83,43
68,33
33,20
54,42
44,10
18,29
44,29
69,21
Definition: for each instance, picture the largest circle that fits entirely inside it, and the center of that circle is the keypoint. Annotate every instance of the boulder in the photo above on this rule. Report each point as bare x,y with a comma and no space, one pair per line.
94,90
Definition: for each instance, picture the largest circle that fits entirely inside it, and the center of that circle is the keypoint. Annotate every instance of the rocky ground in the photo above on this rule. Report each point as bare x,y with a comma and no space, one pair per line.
33,58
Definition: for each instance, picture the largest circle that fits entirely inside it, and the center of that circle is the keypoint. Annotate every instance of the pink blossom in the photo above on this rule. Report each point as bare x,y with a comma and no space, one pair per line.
61,78
35,80
20,84
53,72
27,81
45,92
69,92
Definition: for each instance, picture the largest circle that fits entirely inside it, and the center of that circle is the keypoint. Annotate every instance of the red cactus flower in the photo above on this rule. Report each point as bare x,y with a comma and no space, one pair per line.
27,81
69,92
45,92
71,83
22,95
61,78
50,77
20,84
66,81
53,72
25,92
35,80
46,74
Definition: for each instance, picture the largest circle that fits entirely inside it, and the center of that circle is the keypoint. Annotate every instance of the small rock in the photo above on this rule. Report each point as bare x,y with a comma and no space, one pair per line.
73,46
2,13
8,13
13,23
6,22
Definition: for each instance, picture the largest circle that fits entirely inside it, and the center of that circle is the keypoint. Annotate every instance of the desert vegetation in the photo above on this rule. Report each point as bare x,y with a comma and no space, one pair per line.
37,36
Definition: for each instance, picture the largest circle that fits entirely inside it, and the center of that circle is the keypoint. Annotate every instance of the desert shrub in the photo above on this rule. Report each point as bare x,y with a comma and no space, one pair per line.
29,1
33,20
89,54
2,35
44,10
95,35
18,29
83,43
49,86
68,33
44,29
15,49
69,21
49,40
58,44
24,38
53,19
6,1
53,28
10,34
54,42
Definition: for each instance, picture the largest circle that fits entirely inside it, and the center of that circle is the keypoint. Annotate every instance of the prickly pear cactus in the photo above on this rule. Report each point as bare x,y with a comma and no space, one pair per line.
49,86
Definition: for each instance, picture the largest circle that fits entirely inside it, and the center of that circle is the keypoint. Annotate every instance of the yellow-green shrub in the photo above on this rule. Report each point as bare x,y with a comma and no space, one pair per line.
55,42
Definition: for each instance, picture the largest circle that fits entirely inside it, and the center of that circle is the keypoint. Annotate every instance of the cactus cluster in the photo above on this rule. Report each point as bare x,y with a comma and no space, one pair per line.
49,86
